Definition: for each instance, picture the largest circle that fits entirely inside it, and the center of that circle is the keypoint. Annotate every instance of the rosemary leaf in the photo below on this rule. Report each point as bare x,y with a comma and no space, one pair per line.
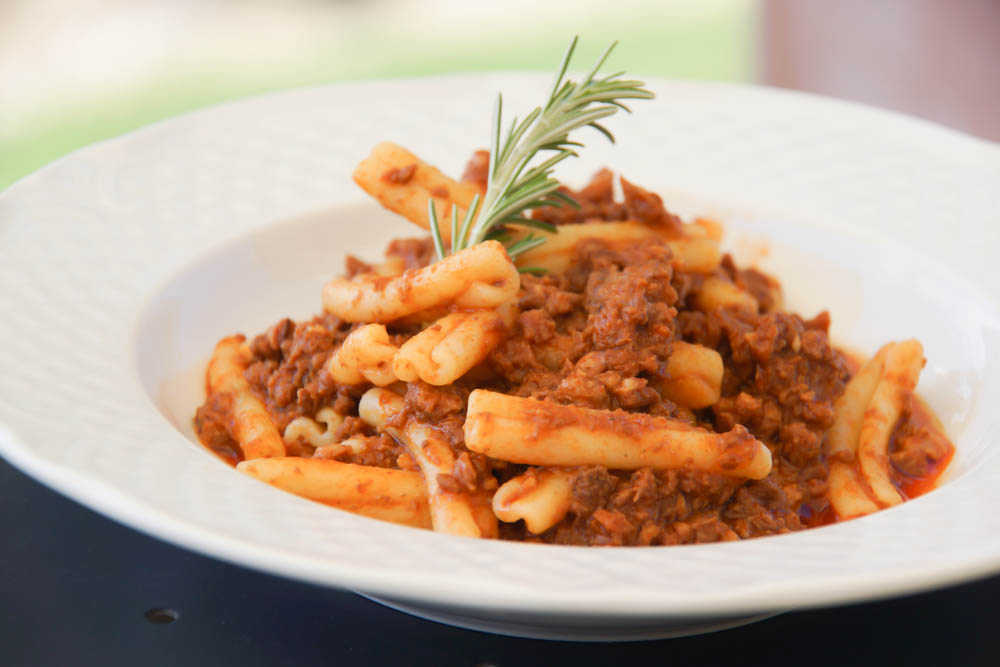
432,217
514,185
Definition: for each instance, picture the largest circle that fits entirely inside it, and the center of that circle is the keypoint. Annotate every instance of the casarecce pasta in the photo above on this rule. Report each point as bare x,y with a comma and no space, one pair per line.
635,387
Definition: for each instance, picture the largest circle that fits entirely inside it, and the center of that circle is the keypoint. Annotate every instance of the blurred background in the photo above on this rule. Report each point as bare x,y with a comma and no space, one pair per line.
72,73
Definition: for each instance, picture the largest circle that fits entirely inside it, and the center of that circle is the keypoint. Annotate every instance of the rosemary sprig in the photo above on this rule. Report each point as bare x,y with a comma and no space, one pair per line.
513,188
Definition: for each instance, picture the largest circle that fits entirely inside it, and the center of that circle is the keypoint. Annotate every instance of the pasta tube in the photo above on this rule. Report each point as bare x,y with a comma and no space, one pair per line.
864,417
310,431
249,424
705,226
446,350
696,254
478,277
699,254
849,409
903,364
540,497
718,292
694,376
544,433
391,267
848,495
453,513
382,493
403,183
366,355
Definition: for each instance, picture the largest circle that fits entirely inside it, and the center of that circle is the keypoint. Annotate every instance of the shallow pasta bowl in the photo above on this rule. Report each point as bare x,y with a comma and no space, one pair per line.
122,264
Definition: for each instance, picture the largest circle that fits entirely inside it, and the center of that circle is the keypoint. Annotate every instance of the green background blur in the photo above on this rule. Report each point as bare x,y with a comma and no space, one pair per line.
72,74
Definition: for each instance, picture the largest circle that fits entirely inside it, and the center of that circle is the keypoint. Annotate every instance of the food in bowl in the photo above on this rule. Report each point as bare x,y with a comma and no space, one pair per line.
580,368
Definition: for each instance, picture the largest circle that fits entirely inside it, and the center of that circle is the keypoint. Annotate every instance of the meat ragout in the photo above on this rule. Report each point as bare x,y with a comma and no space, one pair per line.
600,335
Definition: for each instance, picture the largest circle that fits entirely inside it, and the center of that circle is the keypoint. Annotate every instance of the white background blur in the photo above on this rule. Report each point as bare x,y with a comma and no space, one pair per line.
76,71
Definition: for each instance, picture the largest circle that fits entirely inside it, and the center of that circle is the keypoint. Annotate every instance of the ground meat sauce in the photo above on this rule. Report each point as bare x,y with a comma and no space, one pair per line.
211,422
918,451
597,201
477,171
400,176
599,336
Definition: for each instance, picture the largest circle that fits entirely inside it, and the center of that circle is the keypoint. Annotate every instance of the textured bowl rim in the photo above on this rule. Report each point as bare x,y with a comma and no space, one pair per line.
974,561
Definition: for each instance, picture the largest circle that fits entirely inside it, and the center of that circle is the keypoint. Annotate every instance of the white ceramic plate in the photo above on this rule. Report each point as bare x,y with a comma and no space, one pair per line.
122,264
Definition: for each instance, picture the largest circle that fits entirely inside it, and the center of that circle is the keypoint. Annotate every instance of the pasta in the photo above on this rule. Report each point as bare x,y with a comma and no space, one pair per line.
309,430
445,351
403,183
695,253
847,493
540,498
903,364
634,387
452,511
478,277
249,425
366,356
543,433
694,376
718,293
380,493
866,414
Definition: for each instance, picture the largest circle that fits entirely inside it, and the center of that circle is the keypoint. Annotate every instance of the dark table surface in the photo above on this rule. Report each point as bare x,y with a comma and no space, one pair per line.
79,589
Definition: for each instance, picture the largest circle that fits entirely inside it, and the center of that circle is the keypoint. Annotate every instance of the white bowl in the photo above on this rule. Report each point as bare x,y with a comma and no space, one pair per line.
122,264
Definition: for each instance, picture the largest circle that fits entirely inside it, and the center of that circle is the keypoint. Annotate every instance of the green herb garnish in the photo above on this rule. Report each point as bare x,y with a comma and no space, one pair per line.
513,188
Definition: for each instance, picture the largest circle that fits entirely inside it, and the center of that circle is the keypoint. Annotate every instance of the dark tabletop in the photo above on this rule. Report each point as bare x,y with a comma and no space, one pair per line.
79,590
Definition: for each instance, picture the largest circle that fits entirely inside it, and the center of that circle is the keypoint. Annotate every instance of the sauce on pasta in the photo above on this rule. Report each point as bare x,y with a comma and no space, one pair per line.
642,390
918,450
